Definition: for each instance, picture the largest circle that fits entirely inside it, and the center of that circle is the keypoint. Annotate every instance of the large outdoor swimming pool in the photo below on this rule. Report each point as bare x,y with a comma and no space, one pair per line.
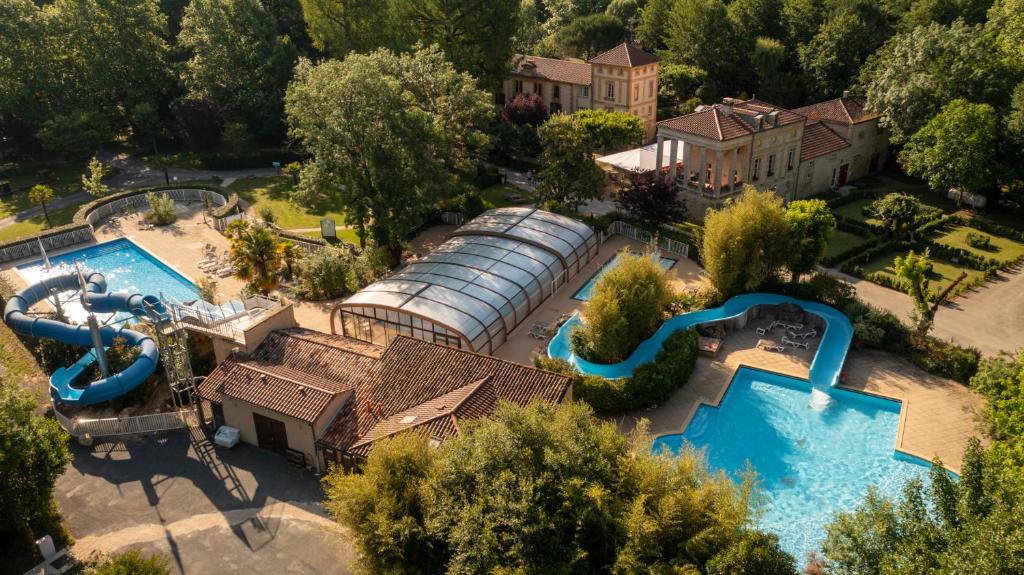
125,265
814,455
815,447
583,294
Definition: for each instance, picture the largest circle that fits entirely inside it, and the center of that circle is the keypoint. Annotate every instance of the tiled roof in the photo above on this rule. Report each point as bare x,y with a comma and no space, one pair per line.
438,417
319,354
714,123
710,123
845,110
414,373
819,140
625,54
273,387
552,69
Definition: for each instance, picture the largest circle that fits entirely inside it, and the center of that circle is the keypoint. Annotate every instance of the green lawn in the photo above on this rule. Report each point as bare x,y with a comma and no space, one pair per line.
842,241
943,272
853,210
494,196
273,193
37,224
1003,249
65,179
344,234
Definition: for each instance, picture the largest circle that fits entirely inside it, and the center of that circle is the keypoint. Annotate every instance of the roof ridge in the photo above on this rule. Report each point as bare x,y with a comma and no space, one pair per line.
301,333
448,412
284,377
485,356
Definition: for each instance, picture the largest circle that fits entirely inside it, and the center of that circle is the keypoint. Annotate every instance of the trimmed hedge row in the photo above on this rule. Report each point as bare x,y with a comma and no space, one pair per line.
651,383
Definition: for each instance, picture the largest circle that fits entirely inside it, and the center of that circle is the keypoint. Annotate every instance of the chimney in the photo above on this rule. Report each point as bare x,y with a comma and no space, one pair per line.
726,106
773,118
846,94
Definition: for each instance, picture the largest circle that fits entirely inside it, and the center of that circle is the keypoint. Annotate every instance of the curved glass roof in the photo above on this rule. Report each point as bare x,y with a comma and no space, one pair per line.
488,276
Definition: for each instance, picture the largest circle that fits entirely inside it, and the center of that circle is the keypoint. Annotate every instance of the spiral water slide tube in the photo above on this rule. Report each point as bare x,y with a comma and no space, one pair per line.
95,299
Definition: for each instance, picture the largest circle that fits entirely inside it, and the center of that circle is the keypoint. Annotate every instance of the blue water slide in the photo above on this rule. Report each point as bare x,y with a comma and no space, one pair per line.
96,299
824,372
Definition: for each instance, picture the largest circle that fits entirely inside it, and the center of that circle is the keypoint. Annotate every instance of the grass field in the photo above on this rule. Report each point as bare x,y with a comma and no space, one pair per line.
1003,249
943,272
853,210
842,241
273,193
37,224
494,196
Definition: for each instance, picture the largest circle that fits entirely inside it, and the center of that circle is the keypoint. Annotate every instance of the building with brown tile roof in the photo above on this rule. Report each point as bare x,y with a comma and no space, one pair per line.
329,398
716,150
623,79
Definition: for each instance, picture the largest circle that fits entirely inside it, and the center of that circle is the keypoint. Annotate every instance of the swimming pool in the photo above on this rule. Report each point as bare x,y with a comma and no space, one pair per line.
583,294
813,458
125,265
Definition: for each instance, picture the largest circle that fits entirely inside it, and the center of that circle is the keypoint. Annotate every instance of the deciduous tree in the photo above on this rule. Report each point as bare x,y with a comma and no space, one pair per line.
955,149
914,270
810,224
92,180
897,211
237,59
700,33
588,36
389,135
610,130
526,109
746,242
653,200
41,194
569,176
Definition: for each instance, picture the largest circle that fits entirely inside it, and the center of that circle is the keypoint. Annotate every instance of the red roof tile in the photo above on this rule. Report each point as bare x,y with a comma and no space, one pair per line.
845,110
625,54
565,71
710,123
819,140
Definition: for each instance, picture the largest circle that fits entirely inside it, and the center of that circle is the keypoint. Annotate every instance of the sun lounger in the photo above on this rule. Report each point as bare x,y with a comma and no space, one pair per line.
539,330
800,344
804,335
769,345
762,331
225,272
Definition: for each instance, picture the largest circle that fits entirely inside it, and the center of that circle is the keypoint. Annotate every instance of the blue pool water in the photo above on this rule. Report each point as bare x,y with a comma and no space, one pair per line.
815,454
583,294
125,265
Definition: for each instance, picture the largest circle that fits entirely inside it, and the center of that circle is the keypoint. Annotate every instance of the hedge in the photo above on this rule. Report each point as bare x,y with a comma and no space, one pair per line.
261,158
651,383
227,209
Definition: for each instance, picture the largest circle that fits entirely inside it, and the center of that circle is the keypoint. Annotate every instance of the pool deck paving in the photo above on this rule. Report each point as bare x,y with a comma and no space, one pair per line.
937,415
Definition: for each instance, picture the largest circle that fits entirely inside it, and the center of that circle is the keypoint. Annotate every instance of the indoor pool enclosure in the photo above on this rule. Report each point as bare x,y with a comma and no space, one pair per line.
816,448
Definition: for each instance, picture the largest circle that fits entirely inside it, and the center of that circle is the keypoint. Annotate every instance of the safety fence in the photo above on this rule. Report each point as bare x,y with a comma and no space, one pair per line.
29,247
128,425
132,202
664,244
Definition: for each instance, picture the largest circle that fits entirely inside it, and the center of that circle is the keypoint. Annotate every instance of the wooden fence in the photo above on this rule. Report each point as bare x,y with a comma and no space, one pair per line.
130,425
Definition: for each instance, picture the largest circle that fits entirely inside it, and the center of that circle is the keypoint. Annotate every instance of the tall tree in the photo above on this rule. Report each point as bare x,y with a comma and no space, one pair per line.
914,74
955,149
745,243
834,55
389,135
610,130
914,270
650,31
475,36
588,36
897,211
92,180
225,38
810,224
569,176
753,18
35,453
700,33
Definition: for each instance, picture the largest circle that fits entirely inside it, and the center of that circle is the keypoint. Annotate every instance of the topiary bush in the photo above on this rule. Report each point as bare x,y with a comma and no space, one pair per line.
979,241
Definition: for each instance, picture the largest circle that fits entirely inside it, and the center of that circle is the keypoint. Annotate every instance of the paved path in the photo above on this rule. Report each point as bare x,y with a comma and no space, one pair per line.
990,317
208,509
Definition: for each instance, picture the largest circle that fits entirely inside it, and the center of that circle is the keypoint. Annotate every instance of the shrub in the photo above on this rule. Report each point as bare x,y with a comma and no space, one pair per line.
327,274
267,215
979,241
161,209
207,289
650,384
627,304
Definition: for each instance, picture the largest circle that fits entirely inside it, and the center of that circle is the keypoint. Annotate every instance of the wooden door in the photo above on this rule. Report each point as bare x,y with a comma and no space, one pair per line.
843,173
270,433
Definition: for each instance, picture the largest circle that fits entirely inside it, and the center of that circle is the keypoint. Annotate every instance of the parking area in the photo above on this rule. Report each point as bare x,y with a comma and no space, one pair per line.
207,509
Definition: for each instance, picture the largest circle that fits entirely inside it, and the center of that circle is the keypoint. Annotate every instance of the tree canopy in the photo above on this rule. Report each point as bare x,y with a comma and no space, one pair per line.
568,176
810,224
956,148
745,243
611,130
547,489
389,134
